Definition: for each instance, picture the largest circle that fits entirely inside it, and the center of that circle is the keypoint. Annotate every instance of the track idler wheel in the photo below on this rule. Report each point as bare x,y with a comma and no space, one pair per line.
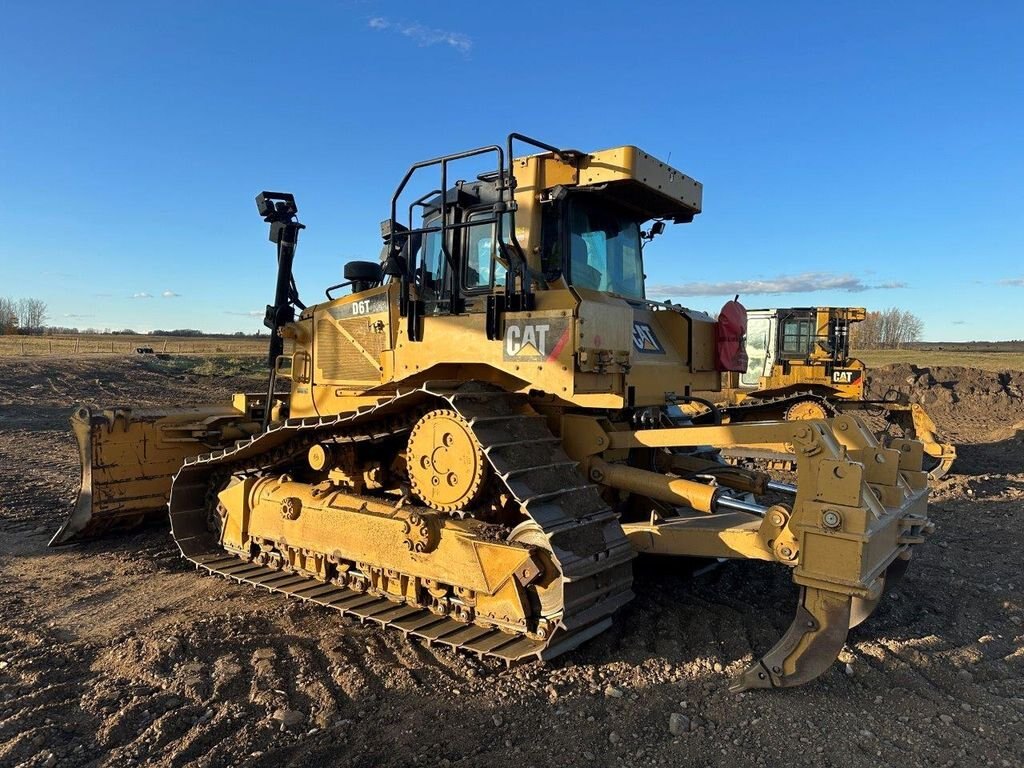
546,592
809,647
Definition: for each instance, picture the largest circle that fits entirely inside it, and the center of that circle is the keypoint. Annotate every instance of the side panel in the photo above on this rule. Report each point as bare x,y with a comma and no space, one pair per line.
673,352
581,347
352,341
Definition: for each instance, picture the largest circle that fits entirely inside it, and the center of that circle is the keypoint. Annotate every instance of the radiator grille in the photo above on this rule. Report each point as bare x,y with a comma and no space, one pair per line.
338,359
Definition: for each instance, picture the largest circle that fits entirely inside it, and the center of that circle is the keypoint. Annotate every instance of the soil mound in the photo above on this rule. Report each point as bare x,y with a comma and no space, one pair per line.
945,389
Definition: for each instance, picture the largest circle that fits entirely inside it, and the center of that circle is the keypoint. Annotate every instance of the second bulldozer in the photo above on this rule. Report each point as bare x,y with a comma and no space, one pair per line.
800,367
476,440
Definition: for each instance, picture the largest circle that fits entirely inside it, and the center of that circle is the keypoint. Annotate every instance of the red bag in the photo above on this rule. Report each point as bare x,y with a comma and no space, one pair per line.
731,337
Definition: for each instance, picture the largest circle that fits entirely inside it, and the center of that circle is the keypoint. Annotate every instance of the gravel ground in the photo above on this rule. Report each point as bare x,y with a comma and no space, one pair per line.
115,653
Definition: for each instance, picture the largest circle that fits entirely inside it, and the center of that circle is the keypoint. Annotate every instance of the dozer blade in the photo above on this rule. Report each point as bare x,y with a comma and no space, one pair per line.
128,457
809,647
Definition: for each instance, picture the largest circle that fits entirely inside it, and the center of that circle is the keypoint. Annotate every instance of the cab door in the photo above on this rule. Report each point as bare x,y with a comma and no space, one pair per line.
760,349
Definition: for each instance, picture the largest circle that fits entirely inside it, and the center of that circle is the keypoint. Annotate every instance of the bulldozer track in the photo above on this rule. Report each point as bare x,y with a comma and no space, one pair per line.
582,531
773,459
768,404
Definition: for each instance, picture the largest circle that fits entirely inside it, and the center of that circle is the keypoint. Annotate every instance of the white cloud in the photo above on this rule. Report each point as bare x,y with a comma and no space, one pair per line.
806,282
1015,281
169,294
253,313
425,36
142,295
76,316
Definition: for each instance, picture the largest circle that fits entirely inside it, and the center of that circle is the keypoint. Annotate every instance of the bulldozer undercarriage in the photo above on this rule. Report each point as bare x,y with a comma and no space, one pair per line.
537,585
910,419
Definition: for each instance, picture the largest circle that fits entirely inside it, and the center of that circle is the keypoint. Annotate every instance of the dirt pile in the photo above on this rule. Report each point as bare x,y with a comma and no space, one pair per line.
939,389
981,412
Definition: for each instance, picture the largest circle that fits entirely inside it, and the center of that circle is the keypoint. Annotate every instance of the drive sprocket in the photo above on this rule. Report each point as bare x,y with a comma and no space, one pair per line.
446,464
807,408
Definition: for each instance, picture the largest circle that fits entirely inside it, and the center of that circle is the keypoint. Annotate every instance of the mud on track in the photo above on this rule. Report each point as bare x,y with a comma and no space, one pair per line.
115,653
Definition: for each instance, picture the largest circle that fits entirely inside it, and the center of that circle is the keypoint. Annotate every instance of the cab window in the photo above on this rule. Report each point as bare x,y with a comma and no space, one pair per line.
758,365
433,261
483,269
797,337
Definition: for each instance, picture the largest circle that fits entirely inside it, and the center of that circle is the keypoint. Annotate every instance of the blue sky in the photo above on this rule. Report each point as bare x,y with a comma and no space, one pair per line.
859,154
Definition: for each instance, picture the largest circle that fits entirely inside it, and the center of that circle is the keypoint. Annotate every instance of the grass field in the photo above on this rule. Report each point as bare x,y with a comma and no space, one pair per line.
93,344
102,344
985,360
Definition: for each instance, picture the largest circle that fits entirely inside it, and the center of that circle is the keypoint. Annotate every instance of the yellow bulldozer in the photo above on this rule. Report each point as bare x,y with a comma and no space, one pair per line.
474,440
799,366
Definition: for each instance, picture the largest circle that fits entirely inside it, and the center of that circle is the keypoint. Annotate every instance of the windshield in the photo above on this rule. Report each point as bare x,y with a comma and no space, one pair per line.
604,249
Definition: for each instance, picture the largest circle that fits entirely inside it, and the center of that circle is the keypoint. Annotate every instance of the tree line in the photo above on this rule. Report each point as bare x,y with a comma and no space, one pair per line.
28,317
24,316
887,329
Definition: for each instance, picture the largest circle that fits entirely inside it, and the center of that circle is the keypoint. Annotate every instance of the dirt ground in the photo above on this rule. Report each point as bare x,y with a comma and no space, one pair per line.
116,653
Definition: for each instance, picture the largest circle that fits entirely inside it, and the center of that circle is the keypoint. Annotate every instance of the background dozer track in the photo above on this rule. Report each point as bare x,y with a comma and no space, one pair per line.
910,420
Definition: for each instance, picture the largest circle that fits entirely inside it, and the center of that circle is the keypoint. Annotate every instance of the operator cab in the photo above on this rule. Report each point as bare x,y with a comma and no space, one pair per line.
460,259
781,337
546,221
586,241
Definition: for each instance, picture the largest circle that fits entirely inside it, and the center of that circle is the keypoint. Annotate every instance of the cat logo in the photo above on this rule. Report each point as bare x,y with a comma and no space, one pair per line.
845,376
540,340
645,341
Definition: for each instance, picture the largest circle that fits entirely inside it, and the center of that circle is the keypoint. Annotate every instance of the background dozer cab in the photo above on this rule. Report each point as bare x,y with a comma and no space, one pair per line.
485,430
799,367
